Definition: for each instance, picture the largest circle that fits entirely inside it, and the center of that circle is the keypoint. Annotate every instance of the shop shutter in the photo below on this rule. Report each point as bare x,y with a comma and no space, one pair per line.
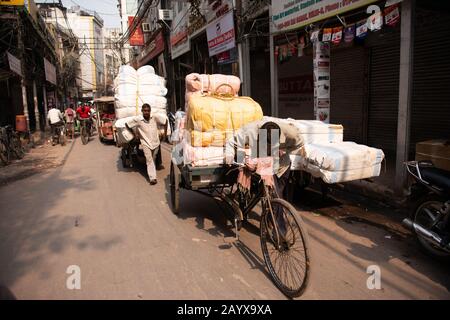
383,92
348,83
430,114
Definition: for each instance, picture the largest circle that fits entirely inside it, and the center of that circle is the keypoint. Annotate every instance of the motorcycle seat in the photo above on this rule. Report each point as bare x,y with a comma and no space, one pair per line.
437,177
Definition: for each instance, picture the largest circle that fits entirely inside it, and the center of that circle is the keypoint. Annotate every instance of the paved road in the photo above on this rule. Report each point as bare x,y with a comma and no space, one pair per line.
120,231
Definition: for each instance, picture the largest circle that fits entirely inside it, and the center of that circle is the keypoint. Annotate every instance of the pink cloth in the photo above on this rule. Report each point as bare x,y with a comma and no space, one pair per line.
262,166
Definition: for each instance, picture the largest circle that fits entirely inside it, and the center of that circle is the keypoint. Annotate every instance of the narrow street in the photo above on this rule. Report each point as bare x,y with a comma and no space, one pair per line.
120,231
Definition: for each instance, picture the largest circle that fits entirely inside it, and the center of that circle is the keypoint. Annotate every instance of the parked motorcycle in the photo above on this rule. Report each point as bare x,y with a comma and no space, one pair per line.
430,215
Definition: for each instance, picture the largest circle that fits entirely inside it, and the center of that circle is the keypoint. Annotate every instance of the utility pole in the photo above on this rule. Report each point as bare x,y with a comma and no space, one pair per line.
23,82
168,61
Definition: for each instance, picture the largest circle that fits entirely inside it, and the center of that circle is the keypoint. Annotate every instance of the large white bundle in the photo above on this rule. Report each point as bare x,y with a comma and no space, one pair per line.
341,156
124,135
152,90
127,71
338,162
335,176
156,102
145,70
152,79
199,156
125,112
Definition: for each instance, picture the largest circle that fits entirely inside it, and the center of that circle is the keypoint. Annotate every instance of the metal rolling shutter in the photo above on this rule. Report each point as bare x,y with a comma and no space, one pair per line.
430,114
383,92
348,83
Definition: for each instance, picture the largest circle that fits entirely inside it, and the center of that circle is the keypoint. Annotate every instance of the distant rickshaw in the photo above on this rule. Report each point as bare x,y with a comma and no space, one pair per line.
105,118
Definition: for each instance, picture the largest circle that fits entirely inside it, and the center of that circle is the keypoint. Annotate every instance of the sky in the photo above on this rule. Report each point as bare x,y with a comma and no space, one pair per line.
107,9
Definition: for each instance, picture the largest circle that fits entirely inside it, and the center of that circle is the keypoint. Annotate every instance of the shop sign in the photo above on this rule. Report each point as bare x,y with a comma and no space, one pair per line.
217,8
14,64
220,34
179,37
12,2
227,57
293,14
50,72
137,38
296,91
153,49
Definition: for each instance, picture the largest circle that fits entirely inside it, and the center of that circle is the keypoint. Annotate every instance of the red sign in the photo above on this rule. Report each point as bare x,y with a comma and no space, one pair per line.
155,47
137,38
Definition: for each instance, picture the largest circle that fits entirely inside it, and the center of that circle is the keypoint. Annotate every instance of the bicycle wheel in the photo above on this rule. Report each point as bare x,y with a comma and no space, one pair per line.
62,138
4,153
84,135
174,182
17,147
288,261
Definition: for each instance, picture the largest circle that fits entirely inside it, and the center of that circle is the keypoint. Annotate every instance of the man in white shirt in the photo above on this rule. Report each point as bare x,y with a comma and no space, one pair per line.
55,118
147,130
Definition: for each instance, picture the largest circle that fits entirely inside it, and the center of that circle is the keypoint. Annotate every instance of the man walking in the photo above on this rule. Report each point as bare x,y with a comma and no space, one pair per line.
147,130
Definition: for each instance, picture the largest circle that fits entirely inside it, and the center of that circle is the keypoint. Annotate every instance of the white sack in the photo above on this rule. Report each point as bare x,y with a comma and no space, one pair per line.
341,156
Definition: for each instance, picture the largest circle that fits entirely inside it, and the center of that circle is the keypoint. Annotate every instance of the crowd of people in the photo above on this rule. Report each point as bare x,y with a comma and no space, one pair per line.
144,125
70,117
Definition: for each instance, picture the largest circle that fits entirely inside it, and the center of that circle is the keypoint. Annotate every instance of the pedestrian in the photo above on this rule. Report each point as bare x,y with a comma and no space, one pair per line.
69,114
147,130
55,119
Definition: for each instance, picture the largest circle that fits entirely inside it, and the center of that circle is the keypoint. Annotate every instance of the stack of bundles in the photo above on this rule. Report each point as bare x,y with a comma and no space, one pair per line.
133,88
338,162
211,120
214,112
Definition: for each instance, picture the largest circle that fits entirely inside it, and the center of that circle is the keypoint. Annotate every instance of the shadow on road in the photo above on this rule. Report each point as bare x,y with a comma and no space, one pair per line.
31,228
386,245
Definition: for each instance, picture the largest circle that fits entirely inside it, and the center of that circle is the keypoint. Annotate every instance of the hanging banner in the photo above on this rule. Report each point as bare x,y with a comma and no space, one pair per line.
220,34
14,64
179,36
361,29
50,72
337,35
289,14
137,38
327,34
392,15
322,81
349,33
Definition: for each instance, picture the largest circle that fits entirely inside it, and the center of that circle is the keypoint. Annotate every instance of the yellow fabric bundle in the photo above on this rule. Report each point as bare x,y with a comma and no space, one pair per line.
214,138
209,113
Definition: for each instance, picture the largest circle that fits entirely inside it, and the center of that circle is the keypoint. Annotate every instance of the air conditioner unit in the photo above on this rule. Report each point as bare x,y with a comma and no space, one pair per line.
146,27
165,14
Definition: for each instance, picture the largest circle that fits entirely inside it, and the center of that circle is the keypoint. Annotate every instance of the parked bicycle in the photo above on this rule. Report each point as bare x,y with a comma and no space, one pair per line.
10,144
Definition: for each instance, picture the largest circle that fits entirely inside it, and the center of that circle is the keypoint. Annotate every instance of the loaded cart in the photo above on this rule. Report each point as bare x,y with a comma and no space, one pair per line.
283,236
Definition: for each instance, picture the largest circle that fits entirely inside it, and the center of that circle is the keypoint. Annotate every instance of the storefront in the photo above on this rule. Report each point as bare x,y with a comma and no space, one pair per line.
366,94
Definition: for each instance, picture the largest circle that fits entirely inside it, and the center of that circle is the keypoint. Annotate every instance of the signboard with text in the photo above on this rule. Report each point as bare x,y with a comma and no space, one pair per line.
293,14
50,72
137,38
14,64
220,34
179,37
